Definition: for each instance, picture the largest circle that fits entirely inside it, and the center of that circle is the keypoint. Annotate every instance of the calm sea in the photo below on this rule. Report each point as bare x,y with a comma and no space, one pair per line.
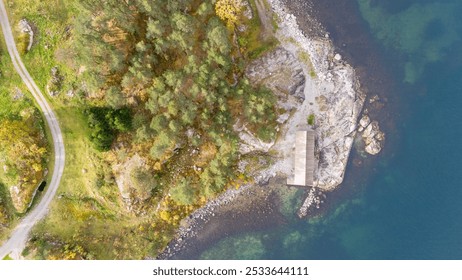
407,202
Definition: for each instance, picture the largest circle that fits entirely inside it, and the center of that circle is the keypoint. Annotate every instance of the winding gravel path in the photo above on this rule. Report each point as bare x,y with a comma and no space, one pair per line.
17,241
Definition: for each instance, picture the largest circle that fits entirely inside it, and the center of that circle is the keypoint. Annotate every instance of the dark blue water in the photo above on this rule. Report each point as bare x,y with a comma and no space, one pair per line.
410,205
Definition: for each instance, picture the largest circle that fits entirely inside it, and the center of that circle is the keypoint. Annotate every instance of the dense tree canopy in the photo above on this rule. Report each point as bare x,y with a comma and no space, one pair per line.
174,64
105,122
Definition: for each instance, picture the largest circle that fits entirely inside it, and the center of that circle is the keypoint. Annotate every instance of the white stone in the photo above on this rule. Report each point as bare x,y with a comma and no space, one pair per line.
373,138
364,122
374,147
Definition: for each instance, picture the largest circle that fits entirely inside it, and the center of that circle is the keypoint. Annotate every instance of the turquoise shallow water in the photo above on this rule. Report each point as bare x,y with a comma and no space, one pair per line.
410,206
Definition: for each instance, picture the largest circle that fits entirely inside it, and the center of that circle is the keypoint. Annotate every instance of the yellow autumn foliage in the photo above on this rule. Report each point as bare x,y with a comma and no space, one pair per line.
228,10
22,152
19,146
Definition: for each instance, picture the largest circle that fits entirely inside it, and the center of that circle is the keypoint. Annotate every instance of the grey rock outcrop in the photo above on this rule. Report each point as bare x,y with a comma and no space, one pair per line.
373,138
131,192
340,103
281,72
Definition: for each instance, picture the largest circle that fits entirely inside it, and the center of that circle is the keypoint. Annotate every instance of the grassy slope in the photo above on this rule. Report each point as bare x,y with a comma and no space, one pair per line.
82,213
252,41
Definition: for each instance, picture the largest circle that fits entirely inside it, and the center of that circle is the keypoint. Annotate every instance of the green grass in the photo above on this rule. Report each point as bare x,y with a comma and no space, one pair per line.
262,48
305,58
51,31
310,119
78,183
7,258
9,81
89,213
251,40
79,153
275,22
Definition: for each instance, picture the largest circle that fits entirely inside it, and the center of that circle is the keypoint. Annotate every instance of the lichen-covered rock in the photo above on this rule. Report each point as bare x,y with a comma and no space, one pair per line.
26,27
134,180
22,195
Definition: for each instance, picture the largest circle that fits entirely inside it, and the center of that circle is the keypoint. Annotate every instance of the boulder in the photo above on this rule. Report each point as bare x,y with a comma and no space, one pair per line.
364,122
374,147
26,27
373,138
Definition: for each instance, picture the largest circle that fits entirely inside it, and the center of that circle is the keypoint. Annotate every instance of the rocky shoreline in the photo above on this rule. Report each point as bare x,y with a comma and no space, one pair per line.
316,81
336,99
236,209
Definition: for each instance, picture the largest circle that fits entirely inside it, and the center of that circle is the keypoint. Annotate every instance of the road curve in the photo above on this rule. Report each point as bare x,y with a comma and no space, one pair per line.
17,241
